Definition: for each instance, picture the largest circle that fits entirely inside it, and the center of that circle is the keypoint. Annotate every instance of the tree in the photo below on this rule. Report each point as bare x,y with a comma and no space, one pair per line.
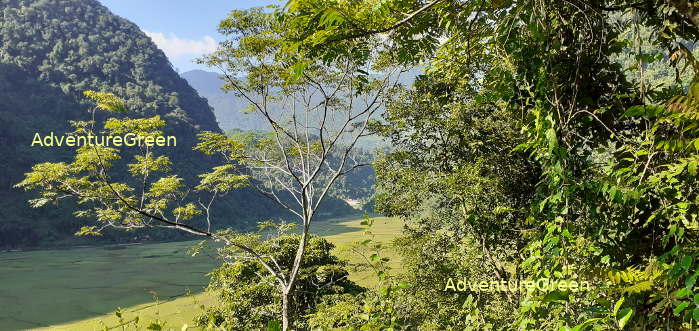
327,108
248,295
614,190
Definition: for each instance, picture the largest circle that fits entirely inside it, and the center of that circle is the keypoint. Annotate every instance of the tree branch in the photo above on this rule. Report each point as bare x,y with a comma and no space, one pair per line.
398,24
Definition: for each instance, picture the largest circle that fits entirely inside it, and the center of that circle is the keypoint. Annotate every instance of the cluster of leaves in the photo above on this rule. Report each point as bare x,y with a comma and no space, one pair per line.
526,151
249,297
149,197
380,309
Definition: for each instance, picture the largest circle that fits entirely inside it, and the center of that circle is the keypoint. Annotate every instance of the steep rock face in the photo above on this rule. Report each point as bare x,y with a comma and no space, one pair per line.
51,51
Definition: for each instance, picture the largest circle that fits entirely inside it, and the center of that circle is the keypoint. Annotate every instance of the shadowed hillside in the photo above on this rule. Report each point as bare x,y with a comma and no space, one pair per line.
53,50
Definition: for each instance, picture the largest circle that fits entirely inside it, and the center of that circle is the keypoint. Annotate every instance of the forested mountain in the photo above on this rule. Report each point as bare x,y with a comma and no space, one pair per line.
53,50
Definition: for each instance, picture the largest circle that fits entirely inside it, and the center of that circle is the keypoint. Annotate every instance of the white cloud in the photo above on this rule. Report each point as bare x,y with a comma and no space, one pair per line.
175,47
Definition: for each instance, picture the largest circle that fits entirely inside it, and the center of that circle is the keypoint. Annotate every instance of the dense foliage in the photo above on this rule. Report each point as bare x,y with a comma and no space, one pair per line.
251,302
527,151
545,142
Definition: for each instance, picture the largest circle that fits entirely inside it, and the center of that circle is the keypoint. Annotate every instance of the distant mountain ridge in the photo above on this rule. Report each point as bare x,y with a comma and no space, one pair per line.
53,50
228,108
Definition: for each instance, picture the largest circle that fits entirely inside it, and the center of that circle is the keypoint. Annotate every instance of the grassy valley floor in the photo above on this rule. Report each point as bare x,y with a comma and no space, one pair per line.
79,289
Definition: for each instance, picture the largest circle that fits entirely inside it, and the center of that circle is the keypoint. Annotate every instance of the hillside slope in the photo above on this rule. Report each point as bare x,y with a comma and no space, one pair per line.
51,51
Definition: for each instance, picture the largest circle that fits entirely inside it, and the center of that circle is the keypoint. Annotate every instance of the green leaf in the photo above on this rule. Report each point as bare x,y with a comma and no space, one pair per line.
617,305
556,296
680,308
686,262
634,111
692,168
552,139
683,292
298,70
689,283
647,111
625,316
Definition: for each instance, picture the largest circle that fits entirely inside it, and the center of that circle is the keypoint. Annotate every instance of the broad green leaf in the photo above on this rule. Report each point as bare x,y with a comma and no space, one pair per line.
625,316
617,305
692,168
680,308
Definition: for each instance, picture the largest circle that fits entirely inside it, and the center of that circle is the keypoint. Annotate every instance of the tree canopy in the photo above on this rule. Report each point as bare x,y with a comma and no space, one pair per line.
528,150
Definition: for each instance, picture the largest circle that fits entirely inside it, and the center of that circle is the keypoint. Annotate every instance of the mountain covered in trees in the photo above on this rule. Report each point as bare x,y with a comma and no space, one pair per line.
53,50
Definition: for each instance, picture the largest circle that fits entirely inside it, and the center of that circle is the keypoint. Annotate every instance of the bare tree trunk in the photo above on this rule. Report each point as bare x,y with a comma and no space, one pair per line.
298,260
285,308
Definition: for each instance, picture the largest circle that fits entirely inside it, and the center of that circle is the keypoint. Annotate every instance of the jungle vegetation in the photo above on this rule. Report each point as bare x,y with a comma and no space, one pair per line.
530,147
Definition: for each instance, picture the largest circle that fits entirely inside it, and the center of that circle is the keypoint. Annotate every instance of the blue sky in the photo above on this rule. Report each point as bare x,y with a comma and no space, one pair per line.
183,29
